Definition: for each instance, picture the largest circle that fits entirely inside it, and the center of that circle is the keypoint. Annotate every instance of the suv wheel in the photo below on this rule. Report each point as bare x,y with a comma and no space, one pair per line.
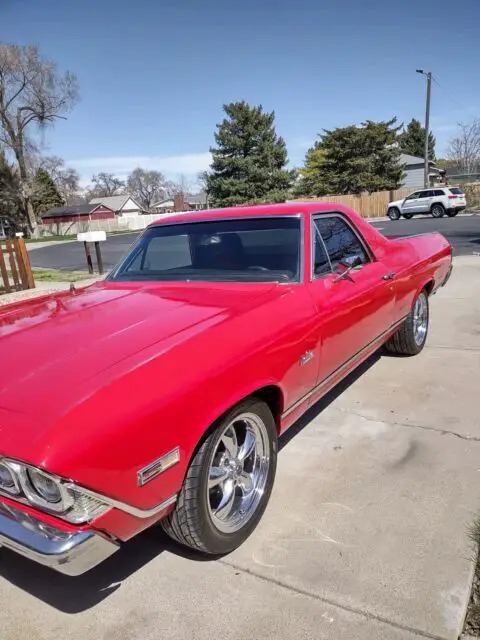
452,213
438,210
394,213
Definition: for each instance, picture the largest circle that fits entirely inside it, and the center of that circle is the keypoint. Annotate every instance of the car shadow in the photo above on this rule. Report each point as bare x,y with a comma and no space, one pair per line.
76,594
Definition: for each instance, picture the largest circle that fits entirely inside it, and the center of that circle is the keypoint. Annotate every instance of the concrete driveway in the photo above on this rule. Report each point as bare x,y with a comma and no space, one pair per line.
365,536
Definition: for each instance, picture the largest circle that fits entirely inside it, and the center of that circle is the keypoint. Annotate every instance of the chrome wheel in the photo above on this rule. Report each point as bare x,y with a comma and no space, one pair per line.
238,472
437,211
420,319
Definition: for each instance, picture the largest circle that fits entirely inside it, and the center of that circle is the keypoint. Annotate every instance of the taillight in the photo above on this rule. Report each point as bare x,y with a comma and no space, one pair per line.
452,197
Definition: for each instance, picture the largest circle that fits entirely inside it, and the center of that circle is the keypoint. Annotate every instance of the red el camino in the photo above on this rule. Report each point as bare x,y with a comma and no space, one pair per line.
159,394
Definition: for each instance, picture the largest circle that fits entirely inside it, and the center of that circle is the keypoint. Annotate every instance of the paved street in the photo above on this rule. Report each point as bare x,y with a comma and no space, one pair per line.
463,232
365,537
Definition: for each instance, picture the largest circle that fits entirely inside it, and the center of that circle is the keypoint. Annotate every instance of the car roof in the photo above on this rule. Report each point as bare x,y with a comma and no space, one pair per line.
264,210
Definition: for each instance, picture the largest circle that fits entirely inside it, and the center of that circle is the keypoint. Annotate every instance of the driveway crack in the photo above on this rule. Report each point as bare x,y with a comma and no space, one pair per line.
409,425
332,603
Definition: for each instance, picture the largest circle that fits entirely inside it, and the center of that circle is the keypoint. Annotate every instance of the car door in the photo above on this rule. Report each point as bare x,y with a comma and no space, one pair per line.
424,202
352,309
411,203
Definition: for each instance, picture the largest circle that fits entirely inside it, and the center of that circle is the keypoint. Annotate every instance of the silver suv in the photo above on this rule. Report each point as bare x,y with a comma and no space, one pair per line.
437,202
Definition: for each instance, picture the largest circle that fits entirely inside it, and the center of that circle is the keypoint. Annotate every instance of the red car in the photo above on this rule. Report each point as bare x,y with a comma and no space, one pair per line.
158,395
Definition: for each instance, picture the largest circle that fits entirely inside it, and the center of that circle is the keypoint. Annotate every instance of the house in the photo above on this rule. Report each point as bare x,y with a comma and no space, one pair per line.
77,213
414,171
190,202
122,205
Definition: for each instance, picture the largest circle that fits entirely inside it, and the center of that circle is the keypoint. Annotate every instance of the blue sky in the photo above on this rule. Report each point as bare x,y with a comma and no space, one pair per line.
153,75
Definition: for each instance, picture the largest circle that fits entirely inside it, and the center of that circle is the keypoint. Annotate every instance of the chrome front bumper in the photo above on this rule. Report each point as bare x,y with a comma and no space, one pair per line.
71,553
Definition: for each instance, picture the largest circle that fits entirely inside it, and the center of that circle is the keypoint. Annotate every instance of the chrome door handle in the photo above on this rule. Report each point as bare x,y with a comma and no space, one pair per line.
389,276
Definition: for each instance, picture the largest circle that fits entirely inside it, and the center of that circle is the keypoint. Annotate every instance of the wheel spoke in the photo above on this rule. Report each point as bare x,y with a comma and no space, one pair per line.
248,446
246,484
228,498
229,440
217,476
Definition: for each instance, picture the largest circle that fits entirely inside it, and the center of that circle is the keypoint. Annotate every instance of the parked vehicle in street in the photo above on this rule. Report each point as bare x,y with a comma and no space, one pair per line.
436,202
158,395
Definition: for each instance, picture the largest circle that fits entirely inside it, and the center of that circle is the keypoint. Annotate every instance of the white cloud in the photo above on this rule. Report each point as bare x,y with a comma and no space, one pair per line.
121,166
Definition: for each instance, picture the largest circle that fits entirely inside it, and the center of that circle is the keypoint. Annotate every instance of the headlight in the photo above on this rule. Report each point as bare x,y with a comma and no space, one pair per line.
48,492
8,480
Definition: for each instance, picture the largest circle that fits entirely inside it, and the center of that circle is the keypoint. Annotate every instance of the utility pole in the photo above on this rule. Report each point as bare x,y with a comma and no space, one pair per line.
426,180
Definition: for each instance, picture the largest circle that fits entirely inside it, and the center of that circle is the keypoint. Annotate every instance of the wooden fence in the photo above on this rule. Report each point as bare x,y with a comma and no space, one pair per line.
15,270
369,205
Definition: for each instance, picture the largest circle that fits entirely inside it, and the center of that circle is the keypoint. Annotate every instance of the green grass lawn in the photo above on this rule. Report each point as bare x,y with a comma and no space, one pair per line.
52,275
50,239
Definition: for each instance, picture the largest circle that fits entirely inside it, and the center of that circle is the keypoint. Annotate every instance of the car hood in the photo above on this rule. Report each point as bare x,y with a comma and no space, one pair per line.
396,203
58,350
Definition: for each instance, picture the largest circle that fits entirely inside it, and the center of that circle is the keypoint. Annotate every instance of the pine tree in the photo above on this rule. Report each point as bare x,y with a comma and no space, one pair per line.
412,140
249,160
45,194
353,159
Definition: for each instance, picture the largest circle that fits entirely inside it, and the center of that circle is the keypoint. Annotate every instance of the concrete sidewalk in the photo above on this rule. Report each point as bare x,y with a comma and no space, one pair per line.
365,537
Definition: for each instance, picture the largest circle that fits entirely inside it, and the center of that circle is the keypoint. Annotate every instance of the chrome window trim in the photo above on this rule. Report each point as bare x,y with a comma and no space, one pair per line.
314,233
300,216
338,214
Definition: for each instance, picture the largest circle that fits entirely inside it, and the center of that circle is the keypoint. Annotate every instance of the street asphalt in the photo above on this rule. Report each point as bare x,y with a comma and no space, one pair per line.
463,232
365,536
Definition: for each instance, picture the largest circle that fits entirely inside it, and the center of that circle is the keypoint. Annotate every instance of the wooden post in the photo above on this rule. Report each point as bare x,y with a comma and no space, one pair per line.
89,257
13,266
3,271
25,261
99,258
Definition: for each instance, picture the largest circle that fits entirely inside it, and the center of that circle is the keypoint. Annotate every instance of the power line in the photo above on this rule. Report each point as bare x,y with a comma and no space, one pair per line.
448,94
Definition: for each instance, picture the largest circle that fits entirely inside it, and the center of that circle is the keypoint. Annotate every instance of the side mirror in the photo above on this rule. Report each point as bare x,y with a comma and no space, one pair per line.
350,262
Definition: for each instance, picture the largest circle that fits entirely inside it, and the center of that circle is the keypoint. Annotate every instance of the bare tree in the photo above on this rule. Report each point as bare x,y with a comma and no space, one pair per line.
32,94
202,181
106,184
182,186
66,179
464,149
148,186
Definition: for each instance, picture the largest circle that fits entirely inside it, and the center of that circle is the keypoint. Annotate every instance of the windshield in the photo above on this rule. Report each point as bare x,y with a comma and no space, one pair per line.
245,250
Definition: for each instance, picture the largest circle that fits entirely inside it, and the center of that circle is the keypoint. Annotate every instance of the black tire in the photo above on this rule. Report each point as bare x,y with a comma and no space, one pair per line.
394,213
191,524
452,214
437,210
404,342
408,216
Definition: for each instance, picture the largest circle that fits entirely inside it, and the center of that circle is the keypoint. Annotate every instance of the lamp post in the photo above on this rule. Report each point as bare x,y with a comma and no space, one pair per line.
426,180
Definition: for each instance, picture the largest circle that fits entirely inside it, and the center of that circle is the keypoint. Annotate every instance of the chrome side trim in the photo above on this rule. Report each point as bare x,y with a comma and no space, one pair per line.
326,381
158,466
128,508
69,552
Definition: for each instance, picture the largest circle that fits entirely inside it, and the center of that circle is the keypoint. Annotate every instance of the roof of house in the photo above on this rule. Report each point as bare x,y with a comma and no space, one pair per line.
407,159
72,210
189,198
114,202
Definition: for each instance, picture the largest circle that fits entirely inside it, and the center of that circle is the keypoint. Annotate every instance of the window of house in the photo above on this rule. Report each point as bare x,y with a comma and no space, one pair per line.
340,240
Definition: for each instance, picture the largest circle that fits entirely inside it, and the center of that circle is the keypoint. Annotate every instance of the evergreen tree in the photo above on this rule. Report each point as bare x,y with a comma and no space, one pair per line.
11,205
45,194
412,140
249,160
353,159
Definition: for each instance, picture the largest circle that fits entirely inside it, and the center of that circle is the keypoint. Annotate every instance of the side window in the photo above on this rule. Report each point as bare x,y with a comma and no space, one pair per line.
321,263
426,194
439,192
413,196
340,240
